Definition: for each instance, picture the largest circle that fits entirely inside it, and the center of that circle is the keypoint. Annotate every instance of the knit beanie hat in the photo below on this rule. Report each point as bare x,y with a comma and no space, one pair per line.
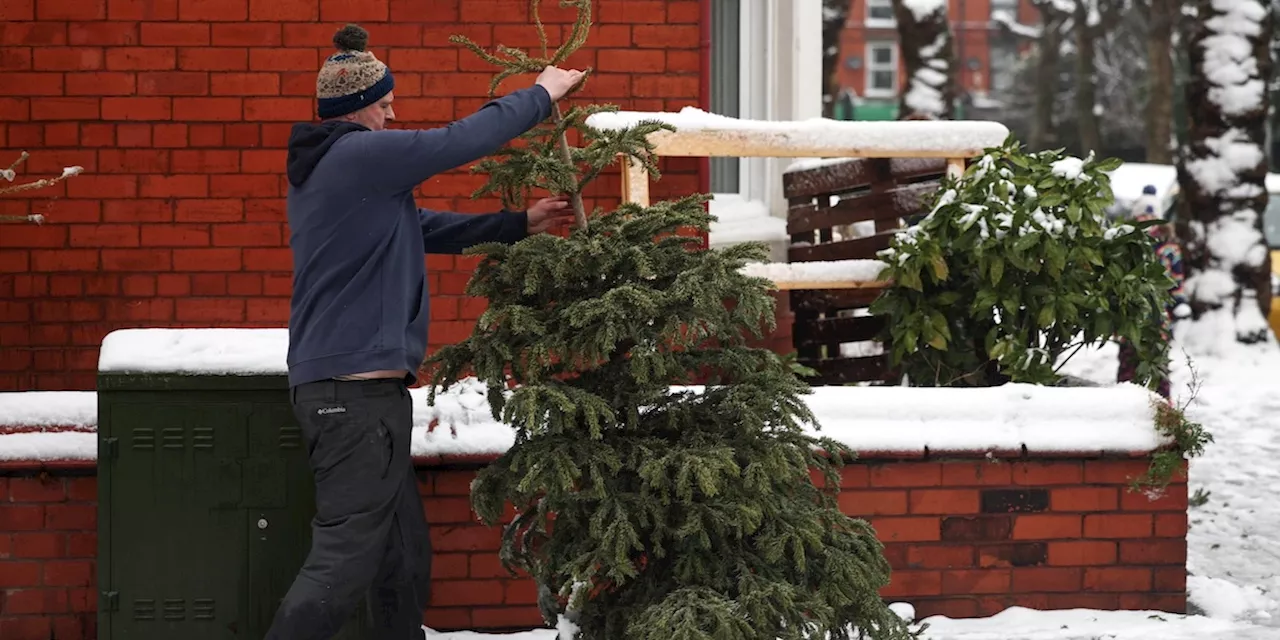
352,78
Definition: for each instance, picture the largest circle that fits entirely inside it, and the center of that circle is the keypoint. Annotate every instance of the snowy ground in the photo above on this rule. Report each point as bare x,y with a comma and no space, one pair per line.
1234,539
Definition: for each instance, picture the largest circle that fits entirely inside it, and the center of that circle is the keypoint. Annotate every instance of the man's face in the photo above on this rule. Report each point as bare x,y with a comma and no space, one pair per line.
377,115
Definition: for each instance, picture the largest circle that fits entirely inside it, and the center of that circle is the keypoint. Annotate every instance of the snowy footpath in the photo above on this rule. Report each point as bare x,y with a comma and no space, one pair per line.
1234,537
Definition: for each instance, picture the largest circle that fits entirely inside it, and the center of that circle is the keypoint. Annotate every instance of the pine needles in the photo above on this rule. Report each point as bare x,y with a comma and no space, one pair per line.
647,508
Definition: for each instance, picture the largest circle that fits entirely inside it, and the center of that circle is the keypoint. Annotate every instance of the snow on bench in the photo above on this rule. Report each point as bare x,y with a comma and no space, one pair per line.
702,134
832,274
1117,418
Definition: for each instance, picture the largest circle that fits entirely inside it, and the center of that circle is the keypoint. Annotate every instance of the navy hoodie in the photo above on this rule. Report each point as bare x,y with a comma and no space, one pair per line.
359,239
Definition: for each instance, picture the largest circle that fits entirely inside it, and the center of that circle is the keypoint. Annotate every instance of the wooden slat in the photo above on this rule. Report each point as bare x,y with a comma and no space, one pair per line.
635,182
857,249
825,300
847,370
785,143
902,202
837,330
859,173
805,285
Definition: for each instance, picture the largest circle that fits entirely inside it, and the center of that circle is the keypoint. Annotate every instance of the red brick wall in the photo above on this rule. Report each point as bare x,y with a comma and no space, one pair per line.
179,111
965,538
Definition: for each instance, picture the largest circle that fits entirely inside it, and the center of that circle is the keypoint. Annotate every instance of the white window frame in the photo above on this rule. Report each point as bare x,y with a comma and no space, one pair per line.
872,66
880,23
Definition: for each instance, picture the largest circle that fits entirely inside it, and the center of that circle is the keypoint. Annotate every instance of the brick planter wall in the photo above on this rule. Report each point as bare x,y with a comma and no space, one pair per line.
966,537
179,112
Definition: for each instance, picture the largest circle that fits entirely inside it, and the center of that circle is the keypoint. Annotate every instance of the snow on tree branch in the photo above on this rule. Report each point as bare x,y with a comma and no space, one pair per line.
11,173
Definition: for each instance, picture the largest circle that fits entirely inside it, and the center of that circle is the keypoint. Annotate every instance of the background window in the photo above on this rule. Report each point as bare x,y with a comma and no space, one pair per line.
880,13
882,69
726,62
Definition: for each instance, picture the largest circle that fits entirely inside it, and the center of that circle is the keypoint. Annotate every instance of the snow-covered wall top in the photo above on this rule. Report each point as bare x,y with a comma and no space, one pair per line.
1117,418
699,133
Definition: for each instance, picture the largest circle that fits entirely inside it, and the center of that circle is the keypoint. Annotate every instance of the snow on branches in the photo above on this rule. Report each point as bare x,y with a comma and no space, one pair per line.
1223,172
11,173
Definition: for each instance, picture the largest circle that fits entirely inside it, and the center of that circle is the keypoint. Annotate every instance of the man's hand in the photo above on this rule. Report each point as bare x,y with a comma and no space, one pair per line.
550,213
558,82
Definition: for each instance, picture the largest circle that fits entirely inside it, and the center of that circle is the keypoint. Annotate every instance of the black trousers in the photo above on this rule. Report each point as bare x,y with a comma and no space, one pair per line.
370,541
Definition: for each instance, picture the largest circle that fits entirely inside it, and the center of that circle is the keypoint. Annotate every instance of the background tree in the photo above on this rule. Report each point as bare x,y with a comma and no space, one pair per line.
1223,171
834,14
1161,18
644,511
927,46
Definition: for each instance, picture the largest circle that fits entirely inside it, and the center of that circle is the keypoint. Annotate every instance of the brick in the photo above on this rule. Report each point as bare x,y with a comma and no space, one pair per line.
15,574
141,58
71,9
213,10
1169,579
175,235
104,34
465,538
244,284
1172,498
949,607
1118,526
208,109
665,36
1171,603
508,616
940,557
943,501
923,474
270,310
24,83
144,309
245,235
250,35
15,109
244,134
209,210
913,583
67,58
213,59
1015,500
39,545
71,516
976,581
15,59
1084,499
142,9
82,600
1103,601
1038,473
1074,553
173,83
278,59
241,185
423,60
177,186
1171,525
206,259
1117,579
854,503
263,161
1046,527
683,61
145,260
153,108
521,592
107,235
174,34
209,284
102,186
246,84
1047,579
33,489
1153,552
170,135
976,529
1021,554
101,83
278,109
210,310
206,161
453,617
69,573
632,60
1119,472
284,11
15,10
65,260
268,259
355,10
449,566
138,211
908,529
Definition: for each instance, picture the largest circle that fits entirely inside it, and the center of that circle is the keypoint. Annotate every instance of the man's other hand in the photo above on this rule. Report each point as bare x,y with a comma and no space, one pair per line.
558,81
550,213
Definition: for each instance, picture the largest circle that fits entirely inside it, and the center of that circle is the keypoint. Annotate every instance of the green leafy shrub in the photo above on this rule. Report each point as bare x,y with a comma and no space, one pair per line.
1015,267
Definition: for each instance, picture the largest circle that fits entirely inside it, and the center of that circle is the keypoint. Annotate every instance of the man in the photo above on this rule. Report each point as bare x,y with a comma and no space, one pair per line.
358,325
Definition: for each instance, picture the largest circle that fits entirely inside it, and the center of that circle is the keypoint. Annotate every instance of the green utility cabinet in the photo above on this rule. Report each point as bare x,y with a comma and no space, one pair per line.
205,506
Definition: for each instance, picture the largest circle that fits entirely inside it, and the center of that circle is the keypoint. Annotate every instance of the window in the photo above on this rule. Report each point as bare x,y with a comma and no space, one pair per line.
726,62
1006,6
880,13
882,69
1003,63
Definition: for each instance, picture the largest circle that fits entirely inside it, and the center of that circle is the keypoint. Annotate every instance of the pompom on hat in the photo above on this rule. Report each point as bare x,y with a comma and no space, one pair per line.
352,78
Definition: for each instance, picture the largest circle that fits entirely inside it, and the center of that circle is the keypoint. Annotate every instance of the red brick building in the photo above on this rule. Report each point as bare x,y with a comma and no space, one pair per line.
871,67
179,111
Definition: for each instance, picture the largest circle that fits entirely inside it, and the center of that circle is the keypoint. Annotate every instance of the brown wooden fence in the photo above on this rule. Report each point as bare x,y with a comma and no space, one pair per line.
833,331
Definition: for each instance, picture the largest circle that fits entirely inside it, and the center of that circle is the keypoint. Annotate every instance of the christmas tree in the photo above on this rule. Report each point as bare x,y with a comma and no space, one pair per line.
644,507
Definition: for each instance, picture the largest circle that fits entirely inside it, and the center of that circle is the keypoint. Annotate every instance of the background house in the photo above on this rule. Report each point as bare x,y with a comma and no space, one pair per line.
179,111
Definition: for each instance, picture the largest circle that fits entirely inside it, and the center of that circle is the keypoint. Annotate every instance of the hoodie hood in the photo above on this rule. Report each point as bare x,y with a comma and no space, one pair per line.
309,142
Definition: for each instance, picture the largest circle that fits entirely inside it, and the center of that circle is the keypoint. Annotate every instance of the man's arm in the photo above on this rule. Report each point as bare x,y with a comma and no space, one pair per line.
402,159
449,232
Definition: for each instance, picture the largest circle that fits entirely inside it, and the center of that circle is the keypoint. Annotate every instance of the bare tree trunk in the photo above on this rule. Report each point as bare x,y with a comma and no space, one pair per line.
834,15
1049,50
927,46
1086,30
1223,173
1161,18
